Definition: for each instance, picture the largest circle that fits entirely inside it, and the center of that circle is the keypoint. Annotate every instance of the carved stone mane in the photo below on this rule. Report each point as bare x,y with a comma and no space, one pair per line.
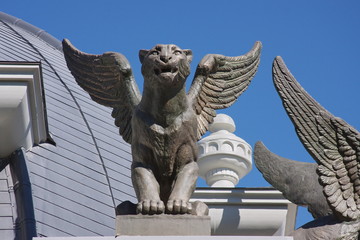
164,95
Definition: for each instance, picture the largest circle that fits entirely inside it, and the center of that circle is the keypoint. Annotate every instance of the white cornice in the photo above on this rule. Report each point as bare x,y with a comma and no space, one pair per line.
22,114
248,211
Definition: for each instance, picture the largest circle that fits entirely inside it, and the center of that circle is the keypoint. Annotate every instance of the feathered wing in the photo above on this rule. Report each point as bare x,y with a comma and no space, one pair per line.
333,143
219,81
298,181
109,81
339,171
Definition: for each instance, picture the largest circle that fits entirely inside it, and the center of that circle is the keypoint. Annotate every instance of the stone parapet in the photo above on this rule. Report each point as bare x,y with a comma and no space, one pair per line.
169,238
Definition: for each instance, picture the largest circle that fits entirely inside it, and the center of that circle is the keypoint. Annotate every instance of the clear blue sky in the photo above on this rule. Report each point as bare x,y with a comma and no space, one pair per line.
318,40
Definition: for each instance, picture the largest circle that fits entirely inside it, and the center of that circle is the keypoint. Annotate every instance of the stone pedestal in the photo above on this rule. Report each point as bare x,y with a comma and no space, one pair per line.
162,225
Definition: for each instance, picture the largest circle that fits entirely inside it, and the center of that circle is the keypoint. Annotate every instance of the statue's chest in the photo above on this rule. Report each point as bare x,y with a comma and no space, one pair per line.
165,132
165,140
167,137
163,143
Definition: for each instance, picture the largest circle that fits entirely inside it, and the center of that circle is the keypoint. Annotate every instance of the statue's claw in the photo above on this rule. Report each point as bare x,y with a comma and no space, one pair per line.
178,206
150,207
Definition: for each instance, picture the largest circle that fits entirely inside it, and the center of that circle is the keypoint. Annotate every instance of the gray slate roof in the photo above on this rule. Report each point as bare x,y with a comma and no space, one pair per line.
77,183
7,213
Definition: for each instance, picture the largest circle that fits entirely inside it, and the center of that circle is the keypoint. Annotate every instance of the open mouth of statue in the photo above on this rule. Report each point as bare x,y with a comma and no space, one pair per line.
165,70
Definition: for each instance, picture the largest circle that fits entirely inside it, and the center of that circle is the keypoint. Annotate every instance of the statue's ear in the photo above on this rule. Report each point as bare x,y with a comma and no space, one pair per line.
188,54
142,54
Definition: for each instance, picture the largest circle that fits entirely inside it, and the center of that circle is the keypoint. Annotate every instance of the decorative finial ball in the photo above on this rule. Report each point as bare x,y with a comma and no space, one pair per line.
222,122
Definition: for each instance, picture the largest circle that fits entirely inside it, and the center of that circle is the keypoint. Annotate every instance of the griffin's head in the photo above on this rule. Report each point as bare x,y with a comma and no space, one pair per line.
166,63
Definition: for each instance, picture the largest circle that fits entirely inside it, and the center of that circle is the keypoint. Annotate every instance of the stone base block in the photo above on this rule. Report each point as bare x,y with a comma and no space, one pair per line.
162,225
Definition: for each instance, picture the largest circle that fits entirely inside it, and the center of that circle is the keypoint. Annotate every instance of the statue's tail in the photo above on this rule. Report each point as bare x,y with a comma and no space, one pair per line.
298,181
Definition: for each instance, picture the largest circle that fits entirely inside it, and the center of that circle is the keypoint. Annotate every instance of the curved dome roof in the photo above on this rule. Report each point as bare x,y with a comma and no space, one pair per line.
77,183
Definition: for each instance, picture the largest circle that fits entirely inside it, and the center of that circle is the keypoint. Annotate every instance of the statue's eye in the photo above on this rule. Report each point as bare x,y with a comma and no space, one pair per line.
177,52
154,53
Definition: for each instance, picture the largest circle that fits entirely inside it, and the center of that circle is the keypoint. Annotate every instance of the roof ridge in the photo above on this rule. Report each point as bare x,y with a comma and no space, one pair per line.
40,33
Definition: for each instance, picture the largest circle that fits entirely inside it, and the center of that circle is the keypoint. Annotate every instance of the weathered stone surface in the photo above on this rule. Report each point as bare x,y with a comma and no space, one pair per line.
284,174
164,124
162,225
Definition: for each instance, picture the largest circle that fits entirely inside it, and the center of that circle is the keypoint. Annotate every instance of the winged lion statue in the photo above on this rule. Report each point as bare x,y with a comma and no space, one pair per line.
330,188
164,123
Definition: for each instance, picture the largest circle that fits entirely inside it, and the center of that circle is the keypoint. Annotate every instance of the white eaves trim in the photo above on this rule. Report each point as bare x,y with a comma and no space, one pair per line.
22,111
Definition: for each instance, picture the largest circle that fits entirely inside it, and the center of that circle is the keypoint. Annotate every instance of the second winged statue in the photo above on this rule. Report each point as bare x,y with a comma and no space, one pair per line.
164,124
330,188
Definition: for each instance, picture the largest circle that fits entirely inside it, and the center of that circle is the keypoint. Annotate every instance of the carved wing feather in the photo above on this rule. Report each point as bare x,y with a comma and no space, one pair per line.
333,143
109,81
339,174
300,106
219,81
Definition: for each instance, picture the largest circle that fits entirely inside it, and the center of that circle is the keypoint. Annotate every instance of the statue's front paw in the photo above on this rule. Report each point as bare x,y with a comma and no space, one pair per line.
178,206
150,207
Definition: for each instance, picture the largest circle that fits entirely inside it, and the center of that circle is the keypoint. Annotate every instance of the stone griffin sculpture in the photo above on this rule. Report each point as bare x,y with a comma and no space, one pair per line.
331,188
164,124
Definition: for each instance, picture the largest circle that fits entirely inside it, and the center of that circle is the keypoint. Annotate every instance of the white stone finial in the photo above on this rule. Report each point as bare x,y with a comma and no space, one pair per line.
224,158
222,122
